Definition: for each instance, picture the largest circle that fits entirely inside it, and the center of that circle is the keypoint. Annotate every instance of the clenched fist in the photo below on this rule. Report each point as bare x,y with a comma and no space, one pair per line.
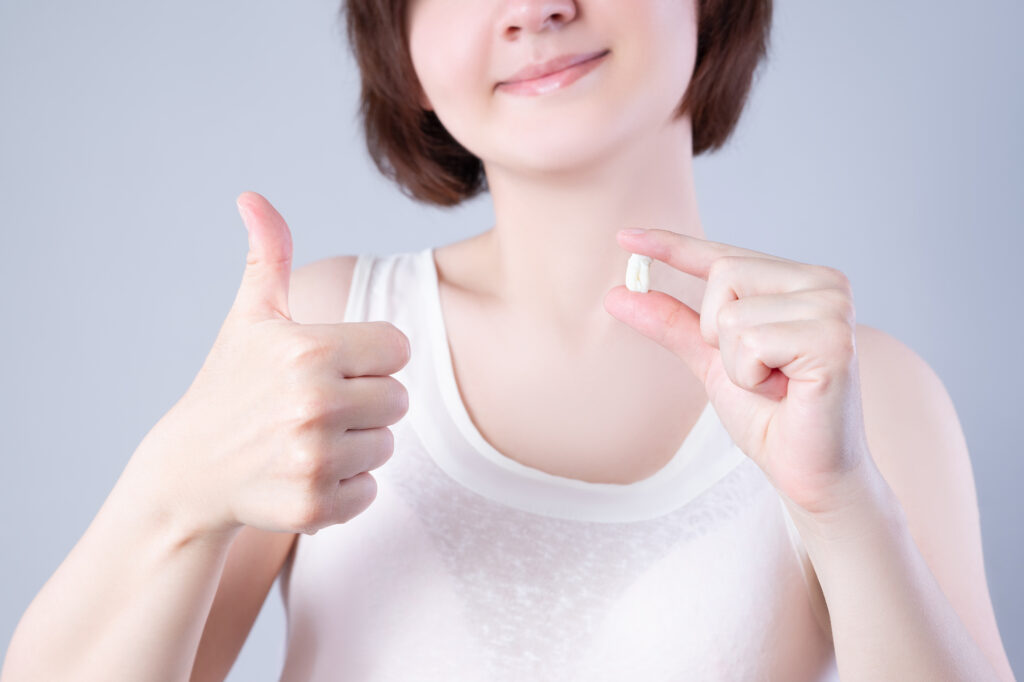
283,422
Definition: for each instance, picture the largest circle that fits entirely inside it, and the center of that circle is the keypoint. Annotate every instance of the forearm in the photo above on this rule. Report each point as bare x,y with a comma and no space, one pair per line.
129,602
890,619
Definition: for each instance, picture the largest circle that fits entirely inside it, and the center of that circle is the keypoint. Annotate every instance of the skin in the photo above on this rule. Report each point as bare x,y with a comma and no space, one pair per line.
773,344
566,171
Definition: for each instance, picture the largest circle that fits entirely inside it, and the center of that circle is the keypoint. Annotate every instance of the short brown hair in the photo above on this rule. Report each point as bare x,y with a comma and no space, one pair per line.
410,145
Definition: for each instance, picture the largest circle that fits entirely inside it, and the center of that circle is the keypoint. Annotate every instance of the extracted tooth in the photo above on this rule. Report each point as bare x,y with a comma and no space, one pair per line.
638,273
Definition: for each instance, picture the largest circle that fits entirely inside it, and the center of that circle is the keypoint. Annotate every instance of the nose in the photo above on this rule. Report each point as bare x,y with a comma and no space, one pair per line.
534,16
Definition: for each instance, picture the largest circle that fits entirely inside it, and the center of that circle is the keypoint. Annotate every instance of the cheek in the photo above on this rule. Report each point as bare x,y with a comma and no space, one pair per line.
456,90
451,69
669,51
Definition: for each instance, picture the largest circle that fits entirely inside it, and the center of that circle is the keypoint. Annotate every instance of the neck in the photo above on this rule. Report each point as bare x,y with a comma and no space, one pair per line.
552,253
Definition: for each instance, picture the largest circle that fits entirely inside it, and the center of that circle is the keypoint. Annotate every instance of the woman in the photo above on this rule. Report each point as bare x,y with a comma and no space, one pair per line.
722,478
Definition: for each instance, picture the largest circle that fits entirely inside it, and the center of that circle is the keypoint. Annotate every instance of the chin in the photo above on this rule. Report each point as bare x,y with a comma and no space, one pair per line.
551,142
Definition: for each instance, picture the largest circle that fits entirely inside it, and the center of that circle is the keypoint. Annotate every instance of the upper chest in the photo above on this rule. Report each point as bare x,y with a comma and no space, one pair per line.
612,414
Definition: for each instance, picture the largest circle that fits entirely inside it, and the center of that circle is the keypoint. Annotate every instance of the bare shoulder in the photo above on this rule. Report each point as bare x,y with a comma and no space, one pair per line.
318,292
877,350
909,417
916,440
903,399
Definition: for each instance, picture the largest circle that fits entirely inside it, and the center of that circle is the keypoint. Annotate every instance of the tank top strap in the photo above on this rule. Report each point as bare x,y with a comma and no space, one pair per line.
357,304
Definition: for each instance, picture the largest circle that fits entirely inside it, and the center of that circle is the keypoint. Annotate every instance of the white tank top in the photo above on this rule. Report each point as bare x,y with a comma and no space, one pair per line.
471,566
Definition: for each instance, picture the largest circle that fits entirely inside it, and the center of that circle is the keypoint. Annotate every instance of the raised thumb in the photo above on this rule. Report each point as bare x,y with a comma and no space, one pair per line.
268,265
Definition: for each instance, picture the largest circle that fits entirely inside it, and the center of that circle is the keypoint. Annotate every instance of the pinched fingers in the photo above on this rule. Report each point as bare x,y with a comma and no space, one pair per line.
738,278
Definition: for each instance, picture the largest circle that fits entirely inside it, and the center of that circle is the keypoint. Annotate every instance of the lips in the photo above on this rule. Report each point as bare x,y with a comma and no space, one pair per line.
552,66
555,81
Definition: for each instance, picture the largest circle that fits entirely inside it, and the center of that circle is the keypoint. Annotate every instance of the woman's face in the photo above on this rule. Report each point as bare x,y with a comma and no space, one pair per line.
461,49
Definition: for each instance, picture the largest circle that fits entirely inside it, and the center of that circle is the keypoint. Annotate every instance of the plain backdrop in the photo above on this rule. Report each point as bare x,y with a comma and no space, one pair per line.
882,138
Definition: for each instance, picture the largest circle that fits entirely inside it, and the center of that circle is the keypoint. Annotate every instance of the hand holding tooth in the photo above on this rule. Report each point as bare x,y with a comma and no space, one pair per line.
773,344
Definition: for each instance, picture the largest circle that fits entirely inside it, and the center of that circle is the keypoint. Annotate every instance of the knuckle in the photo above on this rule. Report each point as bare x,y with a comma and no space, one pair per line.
399,396
405,347
822,384
387,446
398,339
308,522
303,350
313,512
311,405
845,307
385,394
837,278
746,341
728,316
305,516
382,447
841,336
719,267
838,302
306,463
364,496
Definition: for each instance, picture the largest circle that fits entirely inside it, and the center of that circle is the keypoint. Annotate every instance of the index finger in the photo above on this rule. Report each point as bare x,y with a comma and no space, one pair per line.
686,252
358,349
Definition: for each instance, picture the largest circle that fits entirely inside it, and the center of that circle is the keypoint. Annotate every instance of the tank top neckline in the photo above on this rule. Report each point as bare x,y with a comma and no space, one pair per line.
706,454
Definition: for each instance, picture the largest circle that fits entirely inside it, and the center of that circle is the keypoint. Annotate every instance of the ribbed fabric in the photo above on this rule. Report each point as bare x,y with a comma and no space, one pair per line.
471,566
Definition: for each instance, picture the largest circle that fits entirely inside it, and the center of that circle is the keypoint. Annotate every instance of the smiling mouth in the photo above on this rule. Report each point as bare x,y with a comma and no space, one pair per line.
555,80
593,55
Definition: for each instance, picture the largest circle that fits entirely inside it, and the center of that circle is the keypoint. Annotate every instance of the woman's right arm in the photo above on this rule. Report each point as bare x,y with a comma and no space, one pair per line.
277,432
128,602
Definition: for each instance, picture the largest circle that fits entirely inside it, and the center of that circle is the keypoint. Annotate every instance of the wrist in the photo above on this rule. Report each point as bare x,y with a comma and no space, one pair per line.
863,505
167,505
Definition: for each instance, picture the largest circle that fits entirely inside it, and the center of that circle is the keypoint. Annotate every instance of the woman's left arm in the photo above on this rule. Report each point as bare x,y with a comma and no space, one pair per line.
878,483
903,571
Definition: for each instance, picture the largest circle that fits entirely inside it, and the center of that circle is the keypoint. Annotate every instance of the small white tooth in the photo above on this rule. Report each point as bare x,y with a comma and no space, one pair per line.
645,273
638,273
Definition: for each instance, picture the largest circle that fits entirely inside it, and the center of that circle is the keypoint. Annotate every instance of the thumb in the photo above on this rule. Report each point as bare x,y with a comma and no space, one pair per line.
666,320
268,265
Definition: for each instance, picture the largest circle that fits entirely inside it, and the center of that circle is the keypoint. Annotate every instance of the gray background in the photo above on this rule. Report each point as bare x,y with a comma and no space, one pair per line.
883,139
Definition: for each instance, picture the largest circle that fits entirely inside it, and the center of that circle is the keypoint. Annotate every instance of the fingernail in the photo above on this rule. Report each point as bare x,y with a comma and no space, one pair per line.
633,230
